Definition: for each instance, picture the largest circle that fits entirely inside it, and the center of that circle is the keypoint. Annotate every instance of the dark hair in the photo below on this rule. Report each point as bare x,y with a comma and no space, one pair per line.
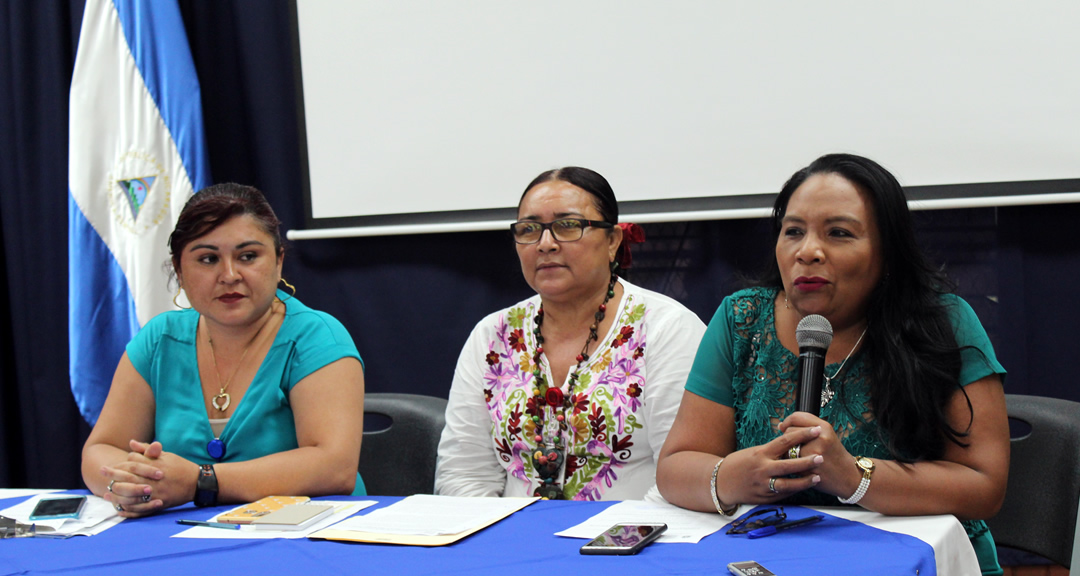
910,348
588,180
213,206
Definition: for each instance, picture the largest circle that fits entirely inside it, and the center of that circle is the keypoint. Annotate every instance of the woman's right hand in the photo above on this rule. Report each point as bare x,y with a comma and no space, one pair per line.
704,431
745,475
150,480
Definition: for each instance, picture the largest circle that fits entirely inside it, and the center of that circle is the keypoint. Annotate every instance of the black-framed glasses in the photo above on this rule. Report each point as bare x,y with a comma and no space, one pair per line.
563,229
758,519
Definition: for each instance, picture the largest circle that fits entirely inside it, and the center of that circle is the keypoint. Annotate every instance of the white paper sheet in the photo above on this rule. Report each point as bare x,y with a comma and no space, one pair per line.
427,515
684,526
97,516
342,510
23,492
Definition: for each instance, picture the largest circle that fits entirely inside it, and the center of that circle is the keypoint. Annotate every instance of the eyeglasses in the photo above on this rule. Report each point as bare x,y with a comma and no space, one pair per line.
764,517
563,229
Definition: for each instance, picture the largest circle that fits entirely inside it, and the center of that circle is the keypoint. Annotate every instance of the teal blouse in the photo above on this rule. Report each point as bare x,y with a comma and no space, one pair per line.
742,364
164,354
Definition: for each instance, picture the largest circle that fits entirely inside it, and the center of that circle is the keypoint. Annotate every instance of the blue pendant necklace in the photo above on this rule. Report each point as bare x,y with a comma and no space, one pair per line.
221,401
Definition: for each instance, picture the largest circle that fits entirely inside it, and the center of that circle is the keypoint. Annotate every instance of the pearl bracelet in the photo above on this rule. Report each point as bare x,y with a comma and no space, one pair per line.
864,485
716,499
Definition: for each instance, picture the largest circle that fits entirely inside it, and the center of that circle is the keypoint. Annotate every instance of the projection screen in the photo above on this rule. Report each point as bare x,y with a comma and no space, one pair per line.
430,116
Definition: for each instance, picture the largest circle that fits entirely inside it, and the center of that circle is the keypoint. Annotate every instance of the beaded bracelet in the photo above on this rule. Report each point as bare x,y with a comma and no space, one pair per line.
864,485
716,499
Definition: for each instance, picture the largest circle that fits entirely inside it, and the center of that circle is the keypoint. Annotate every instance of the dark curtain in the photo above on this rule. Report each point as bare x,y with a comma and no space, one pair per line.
42,432
409,301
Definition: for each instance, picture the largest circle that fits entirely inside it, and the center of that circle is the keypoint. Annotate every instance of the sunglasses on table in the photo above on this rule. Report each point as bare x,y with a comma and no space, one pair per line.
758,519
563,229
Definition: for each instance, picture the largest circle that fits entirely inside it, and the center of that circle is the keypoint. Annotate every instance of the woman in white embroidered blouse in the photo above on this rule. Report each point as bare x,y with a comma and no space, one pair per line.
569,394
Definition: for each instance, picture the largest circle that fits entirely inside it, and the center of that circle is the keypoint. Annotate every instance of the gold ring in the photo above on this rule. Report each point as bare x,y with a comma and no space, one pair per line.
794,451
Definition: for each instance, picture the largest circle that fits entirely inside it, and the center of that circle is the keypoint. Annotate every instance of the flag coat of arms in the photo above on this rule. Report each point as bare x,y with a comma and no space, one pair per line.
136,154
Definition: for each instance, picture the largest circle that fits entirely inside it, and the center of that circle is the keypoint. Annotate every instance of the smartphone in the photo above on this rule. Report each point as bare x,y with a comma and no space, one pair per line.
60,507
748,569
624,539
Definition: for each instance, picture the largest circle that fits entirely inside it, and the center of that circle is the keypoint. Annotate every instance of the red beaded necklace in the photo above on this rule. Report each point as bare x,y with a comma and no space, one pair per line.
549,458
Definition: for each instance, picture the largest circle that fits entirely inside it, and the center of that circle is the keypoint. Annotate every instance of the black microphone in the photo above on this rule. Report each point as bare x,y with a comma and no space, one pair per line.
814,334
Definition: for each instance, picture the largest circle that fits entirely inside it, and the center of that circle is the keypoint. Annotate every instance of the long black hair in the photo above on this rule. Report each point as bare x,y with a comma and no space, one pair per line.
910,348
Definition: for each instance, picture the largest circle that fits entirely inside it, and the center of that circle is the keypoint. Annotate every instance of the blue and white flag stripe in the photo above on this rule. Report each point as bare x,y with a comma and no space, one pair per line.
137,153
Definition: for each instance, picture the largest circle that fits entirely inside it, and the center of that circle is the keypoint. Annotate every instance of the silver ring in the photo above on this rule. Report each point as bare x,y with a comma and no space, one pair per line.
111,482
146,498
119,508
772,486
794,451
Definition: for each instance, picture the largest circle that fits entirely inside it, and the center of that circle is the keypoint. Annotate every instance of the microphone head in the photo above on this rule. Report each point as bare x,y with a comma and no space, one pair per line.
814,331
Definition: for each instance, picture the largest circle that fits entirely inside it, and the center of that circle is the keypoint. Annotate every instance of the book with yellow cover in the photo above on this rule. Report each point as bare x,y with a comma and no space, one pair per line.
249,512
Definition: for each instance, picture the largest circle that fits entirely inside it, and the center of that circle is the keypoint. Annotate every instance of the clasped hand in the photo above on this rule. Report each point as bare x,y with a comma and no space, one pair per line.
768,475
149,480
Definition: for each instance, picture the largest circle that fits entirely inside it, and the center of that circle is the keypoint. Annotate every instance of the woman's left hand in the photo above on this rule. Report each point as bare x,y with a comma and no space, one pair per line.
839,475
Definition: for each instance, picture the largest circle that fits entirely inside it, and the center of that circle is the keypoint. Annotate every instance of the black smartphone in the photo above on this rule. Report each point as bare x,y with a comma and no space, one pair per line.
624,539
61,507
748,569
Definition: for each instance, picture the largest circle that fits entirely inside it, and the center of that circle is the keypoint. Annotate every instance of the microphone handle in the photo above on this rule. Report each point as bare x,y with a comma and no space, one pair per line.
811,375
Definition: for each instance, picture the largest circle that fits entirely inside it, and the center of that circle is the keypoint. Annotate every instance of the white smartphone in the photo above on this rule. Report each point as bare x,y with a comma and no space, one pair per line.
624,539
748,569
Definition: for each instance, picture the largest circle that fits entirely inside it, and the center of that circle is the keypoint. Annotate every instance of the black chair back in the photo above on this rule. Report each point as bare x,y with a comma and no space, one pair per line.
401,443
1040,510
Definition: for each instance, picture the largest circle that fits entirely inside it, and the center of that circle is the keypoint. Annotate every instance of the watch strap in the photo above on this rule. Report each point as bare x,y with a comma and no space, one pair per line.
206,488
864,483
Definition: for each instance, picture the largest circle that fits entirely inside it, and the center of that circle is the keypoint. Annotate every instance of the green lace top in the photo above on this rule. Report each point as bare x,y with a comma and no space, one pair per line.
741,363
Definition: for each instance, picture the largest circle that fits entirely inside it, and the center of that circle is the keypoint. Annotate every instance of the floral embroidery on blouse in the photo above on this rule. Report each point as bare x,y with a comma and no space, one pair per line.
606,402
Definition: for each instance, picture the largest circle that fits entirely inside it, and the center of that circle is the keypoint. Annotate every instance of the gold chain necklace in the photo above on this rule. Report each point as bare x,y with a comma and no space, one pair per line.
222,395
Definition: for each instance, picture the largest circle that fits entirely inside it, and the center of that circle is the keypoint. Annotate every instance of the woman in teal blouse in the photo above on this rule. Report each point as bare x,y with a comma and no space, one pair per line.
245,394
913,418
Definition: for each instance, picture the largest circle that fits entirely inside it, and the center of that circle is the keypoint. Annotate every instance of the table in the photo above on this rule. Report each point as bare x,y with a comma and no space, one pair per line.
522,542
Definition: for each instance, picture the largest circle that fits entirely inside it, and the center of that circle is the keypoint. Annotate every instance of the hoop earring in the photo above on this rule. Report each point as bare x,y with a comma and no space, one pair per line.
290,287
177,304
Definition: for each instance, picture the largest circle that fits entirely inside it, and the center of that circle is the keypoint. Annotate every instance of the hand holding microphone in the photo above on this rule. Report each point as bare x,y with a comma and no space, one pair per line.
813,334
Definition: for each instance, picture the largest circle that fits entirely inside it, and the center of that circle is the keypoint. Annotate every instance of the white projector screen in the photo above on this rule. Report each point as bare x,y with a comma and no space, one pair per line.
429,115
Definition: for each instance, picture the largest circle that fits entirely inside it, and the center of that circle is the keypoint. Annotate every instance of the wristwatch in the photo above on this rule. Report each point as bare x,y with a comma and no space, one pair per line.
867,466
206,488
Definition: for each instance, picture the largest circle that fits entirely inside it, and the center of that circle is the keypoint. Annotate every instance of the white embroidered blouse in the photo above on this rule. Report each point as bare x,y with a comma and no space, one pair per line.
625,401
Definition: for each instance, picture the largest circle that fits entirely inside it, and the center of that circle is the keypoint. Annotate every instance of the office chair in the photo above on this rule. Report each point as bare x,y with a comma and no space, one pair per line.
1040,510
401,442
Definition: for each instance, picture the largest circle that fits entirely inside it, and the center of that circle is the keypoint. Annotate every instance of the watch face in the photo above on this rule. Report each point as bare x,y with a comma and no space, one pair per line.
865,463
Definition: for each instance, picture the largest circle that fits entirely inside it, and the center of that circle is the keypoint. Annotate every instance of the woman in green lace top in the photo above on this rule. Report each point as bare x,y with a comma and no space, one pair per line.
913,420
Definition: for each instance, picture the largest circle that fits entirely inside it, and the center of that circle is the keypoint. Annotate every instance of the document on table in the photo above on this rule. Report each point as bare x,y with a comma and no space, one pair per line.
684,526
342,510
427,515
425,520
97,516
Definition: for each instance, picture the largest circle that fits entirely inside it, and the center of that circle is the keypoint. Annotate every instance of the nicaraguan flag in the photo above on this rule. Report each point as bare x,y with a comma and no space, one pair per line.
136,154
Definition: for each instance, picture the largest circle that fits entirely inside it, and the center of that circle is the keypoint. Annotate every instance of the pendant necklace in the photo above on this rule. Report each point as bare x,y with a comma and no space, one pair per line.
216,447
828,391
549,458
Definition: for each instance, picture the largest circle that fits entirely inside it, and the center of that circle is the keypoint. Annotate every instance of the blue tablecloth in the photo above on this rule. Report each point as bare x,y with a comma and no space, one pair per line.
524,541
